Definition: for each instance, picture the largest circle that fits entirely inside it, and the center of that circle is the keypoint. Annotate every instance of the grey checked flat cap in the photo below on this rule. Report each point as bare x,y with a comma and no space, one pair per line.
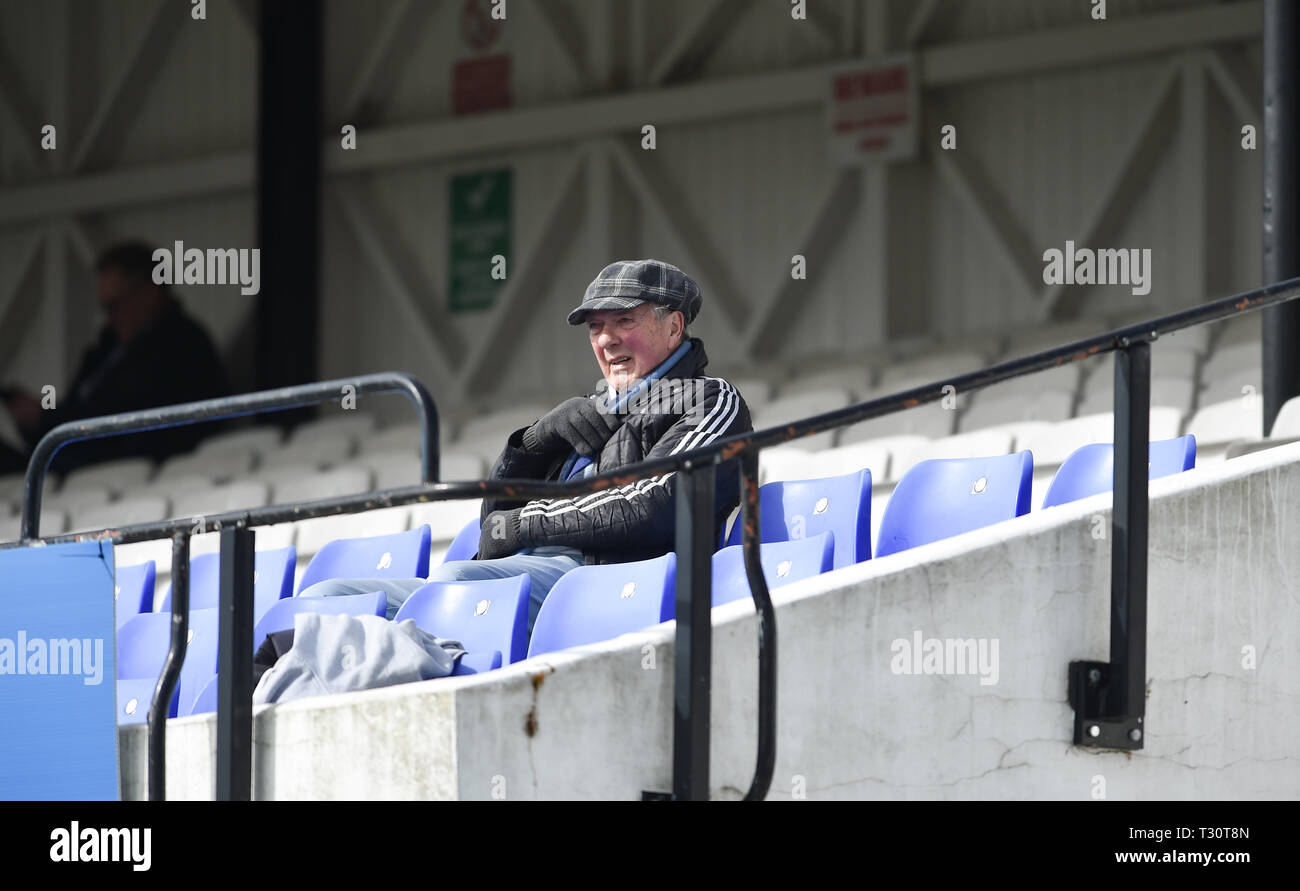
624,284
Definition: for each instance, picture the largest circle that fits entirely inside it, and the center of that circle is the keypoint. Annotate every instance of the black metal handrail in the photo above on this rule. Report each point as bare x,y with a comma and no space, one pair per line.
1109,705
224,408
301,396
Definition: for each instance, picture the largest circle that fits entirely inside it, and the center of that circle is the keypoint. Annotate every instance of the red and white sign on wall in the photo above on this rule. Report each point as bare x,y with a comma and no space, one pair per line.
874,111
481,78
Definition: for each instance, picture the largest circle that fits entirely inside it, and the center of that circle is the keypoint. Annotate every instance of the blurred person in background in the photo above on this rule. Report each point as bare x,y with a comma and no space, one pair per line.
150,353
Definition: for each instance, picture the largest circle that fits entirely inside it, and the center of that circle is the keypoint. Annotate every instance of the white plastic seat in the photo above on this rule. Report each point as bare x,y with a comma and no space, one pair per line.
1044,337
1170,392
1167,363
929,369
487,448
786,463
157,550
350,425
117,476
502,422
785,410
462,466
219,465
1064,378
76,498
174,486
330,484
853,379
251,439
12,484
1170,360
127,512
401,438
874,455
1243,329
1018,429
1241,385
279,535
445,518
53,522
219,499
1287,422
315,533
1195,339
755,391
388,470
1232,359
321,452
1223,422
1052,446
1177,365
986,410
929,421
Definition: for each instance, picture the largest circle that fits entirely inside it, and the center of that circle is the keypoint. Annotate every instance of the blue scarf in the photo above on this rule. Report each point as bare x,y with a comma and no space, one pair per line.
581,466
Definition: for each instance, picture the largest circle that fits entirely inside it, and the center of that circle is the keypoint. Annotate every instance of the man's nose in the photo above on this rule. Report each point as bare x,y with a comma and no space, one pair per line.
606,338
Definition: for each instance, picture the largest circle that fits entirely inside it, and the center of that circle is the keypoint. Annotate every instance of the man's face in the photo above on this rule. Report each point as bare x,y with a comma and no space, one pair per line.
128,306
629,343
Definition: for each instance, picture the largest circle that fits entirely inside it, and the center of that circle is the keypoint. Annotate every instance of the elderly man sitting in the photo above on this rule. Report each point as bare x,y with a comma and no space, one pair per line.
656,402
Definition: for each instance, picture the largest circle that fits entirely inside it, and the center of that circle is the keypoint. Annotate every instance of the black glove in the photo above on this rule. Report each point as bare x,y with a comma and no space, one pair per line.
577,423
499,536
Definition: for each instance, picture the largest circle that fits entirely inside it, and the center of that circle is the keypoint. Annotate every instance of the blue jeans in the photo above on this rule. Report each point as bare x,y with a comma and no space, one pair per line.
544,571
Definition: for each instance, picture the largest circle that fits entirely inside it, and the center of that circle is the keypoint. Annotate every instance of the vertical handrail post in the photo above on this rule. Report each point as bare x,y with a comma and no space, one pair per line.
752,538
1109,698
694,650
1128,575
235,666
162,694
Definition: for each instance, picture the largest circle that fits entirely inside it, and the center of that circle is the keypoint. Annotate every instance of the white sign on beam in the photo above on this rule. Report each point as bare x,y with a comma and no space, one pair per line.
874,111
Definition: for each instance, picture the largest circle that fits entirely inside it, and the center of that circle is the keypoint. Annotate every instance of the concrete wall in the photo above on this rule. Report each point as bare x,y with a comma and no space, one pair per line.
596,723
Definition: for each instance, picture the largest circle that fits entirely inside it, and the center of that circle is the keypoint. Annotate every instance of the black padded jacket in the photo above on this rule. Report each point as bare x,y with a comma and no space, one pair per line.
637,521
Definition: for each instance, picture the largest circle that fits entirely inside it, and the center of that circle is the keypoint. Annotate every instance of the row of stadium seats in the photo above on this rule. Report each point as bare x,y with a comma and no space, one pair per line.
85,501
385,458
1220,350
247,468
802,522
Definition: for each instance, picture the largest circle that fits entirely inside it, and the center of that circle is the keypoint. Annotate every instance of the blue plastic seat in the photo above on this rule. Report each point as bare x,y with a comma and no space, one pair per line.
477,663
402,555
134,696
949,496
200,657
465,545
133,590
1091,469
486,615
206,701
142,644
783,562
280,616
794,509
594,603
272,580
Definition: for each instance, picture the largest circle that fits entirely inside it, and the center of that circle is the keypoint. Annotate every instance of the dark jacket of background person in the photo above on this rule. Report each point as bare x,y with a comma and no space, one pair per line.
638,521
171,362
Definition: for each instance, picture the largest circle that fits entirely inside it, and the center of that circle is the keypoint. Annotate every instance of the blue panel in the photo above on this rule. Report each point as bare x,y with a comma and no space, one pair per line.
58,733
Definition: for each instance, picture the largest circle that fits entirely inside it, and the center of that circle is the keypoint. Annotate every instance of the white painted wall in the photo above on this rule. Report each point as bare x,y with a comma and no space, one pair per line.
1223,576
